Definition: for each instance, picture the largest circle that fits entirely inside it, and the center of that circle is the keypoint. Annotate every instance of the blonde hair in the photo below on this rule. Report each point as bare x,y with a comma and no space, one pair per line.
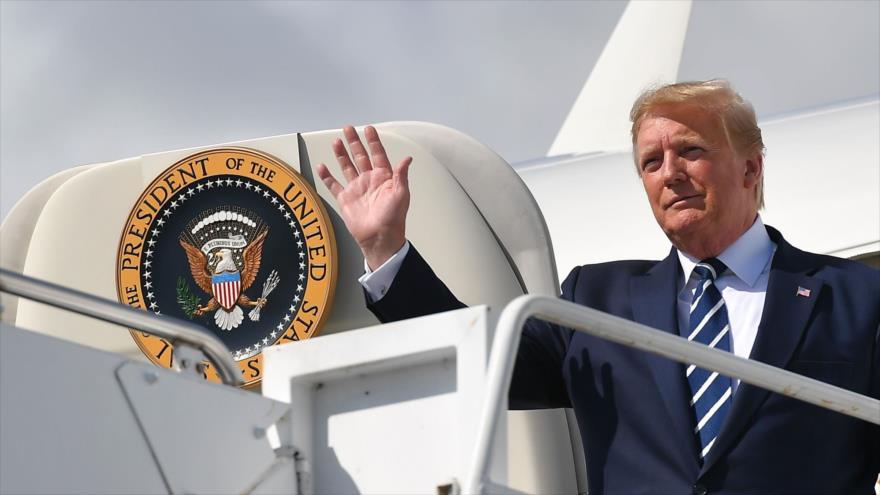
716,96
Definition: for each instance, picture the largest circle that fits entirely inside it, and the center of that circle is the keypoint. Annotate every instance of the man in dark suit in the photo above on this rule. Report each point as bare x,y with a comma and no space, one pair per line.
651,425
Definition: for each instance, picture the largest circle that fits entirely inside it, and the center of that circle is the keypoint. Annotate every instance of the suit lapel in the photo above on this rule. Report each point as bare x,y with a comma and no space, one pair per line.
786,312
654,304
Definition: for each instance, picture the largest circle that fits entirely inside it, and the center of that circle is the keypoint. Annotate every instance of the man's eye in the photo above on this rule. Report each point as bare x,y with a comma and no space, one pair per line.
692,152
650,164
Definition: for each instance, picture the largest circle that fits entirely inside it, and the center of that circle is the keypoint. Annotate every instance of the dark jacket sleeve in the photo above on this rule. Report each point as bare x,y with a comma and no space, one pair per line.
875,393
537,377
416,291
538,381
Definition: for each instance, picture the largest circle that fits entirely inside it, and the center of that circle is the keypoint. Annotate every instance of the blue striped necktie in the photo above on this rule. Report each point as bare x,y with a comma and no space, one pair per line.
711,392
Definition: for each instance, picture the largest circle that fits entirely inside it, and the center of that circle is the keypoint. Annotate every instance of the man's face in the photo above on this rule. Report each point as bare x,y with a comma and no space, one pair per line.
701,192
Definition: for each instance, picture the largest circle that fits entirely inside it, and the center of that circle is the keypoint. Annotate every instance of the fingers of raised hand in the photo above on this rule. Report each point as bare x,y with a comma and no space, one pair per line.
377,150
348,169
401,173
327,178
359,153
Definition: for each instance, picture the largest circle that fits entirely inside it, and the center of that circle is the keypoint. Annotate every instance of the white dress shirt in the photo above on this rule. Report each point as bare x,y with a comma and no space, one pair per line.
743,286
376,283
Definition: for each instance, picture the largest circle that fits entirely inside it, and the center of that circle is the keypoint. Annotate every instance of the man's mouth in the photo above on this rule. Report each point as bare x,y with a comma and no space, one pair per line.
681,201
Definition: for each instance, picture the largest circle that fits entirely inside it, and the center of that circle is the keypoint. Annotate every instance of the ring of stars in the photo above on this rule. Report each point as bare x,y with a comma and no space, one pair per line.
229,182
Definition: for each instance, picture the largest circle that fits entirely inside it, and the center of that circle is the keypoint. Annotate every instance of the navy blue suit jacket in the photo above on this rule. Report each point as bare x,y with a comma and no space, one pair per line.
633,407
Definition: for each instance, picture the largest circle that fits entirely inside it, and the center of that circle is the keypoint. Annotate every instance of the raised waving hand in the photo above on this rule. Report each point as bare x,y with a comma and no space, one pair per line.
375,199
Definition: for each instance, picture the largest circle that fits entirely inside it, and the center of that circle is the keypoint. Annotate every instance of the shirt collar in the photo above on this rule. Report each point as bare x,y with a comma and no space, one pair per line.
746,257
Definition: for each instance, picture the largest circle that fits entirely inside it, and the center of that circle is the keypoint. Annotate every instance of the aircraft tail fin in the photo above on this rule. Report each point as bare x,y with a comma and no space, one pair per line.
644,49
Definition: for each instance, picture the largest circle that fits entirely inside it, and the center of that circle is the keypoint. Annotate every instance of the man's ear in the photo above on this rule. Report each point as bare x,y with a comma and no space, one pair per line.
754,170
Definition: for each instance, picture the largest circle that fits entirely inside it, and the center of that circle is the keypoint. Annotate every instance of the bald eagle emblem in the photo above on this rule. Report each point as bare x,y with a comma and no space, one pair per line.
212,230
226,264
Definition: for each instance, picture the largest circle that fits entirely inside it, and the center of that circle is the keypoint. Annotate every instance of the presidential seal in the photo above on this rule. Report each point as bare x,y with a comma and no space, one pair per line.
237,242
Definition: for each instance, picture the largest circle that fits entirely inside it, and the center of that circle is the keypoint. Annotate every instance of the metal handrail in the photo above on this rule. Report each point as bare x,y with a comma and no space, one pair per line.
626,332
114,312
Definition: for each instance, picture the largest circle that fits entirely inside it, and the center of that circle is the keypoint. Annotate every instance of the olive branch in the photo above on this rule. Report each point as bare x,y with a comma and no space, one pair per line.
188,301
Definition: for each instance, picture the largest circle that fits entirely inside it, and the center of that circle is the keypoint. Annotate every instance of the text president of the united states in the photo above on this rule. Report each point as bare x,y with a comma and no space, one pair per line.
650,425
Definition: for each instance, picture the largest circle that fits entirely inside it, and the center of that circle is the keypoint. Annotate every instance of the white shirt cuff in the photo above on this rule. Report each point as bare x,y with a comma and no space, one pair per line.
376,283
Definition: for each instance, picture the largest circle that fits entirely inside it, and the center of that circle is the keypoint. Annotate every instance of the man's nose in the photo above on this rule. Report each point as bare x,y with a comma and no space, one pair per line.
673,168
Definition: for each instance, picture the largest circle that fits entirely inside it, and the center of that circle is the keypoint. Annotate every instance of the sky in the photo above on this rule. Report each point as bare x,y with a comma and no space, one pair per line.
87,82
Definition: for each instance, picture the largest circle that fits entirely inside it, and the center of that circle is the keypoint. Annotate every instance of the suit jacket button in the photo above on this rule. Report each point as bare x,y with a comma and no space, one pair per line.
700,489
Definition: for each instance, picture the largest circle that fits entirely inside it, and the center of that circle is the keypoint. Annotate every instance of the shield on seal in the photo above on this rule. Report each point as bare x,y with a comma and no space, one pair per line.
227,287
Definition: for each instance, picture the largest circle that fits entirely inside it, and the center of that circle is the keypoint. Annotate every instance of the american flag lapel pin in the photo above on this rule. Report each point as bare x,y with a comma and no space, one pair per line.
803,292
